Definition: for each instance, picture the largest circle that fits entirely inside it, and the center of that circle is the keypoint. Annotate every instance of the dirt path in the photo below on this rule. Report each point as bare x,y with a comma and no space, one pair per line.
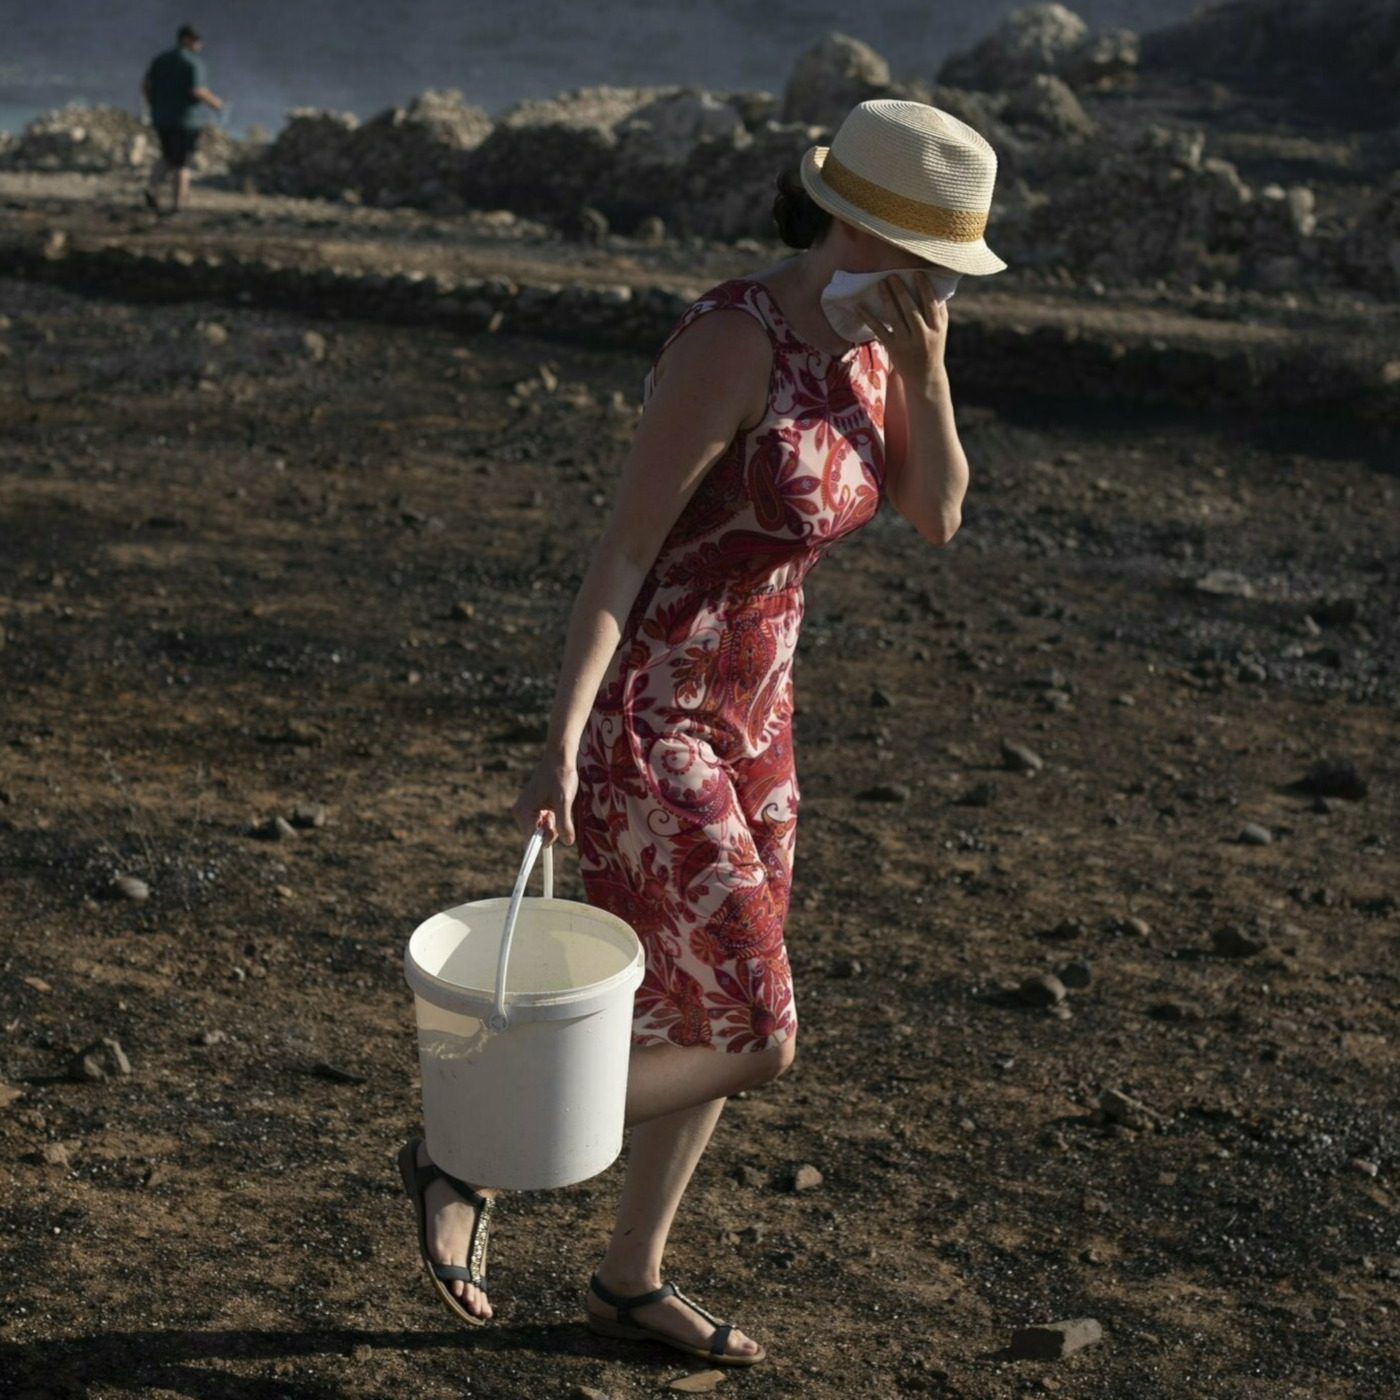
243,571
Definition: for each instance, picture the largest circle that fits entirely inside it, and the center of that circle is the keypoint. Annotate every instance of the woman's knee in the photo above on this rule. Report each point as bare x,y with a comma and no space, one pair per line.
769,1064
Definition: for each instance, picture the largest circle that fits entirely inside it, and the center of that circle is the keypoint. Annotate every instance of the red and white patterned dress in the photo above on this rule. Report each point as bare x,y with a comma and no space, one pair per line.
687,804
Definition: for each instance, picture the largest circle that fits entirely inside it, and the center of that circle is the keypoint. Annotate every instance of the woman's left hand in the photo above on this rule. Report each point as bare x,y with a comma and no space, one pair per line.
913,329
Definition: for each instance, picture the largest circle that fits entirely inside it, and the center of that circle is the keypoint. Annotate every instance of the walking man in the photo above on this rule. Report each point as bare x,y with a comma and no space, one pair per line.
174,87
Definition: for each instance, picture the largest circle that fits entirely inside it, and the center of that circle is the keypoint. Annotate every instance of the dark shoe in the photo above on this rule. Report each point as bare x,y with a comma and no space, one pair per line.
416,1181
628,1330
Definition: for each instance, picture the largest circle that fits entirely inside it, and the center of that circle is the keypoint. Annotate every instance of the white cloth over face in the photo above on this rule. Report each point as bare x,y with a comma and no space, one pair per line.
847,290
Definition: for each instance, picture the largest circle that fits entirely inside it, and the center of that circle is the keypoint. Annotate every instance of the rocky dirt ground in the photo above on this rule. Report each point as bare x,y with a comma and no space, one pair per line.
252,562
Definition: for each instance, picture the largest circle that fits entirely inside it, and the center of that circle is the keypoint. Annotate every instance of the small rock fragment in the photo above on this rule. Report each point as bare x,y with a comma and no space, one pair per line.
103,1059
308,815
275,829
1076,975
1174,1011
313,344
464,612
210,1038
1118,1107
806,1178
588,1392
54,1154
881,699
1019,759
129,887
1041,989
9,1094
1365,1167
979,796
885,792
1139,928
1225,583
37,984
753,1177
1256,835
1231,941
847,967
701,1383
1335,777
1054,1340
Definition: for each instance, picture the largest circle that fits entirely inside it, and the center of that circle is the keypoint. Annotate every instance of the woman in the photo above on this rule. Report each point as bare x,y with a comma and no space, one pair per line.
767,435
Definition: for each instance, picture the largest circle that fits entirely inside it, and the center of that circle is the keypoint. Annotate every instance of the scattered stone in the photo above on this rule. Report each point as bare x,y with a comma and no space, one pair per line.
979,796
308,815
9,1094
881,699
336,1075
1076,976
589,225
129,887
464,612
1255,835
1020,759
805,1178
210,1038
1174,1011
588,1392
1041,989
1066,931
1054,1340
313,344
1091,1255
275,829
212,333
1138,928
651,230
1225,583
36,984
885,792
1231,941
1335,777
1365,1167
1118,1107
700,1383
54,1154
847,967
753,1177
103,1059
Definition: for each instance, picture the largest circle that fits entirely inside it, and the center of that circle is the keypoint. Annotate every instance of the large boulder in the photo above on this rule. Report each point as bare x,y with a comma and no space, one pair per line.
552,156
729,186
416,154
1104,60
1370,255
1340,55
1033,39
1158,206
1047,105
831,78
313,155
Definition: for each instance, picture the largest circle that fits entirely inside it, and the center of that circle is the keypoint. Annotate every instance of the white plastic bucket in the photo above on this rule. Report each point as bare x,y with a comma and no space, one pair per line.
524,1011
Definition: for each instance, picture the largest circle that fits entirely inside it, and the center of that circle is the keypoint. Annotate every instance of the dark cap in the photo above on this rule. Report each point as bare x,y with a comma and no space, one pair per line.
188,31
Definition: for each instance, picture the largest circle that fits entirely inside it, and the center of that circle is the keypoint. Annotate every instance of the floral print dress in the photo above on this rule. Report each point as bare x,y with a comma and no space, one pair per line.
687,806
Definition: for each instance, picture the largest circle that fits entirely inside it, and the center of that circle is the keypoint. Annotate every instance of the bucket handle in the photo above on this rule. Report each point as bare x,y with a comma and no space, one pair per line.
499,1020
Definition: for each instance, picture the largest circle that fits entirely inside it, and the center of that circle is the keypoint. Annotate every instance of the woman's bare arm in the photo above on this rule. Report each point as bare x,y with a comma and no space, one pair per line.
926,472
711,381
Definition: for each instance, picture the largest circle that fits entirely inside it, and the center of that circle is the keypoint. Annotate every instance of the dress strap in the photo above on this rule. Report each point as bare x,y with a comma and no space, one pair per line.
738,294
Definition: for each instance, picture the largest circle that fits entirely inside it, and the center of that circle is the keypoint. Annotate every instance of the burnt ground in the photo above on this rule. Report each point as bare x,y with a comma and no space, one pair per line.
238,577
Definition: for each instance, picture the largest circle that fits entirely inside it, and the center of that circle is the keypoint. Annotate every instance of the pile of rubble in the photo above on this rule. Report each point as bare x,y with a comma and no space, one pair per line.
99,140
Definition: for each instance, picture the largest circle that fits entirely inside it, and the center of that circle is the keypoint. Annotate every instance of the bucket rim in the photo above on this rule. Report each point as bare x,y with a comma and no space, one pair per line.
419,978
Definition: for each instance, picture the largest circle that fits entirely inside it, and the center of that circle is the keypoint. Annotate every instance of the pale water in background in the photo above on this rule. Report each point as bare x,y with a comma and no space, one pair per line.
361,55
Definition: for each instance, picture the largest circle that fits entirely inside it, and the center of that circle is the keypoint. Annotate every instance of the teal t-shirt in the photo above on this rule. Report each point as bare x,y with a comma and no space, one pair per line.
173,77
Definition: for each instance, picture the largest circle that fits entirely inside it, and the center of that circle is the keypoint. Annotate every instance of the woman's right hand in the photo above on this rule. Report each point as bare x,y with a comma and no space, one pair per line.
548,794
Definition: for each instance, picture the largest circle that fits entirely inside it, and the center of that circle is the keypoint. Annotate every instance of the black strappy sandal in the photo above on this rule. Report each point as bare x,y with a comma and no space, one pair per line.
627,1329
416,1181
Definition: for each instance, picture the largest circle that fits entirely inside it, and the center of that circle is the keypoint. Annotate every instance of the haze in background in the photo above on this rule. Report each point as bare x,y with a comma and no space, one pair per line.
361,55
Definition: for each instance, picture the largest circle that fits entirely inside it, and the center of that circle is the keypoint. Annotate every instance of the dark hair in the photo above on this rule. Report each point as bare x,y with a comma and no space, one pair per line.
187,31
801,221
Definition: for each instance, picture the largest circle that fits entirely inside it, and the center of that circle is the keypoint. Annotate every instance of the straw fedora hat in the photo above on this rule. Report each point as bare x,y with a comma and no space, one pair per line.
912,175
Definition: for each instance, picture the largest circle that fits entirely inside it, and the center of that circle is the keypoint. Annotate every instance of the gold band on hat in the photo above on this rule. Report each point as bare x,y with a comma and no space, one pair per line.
932,220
